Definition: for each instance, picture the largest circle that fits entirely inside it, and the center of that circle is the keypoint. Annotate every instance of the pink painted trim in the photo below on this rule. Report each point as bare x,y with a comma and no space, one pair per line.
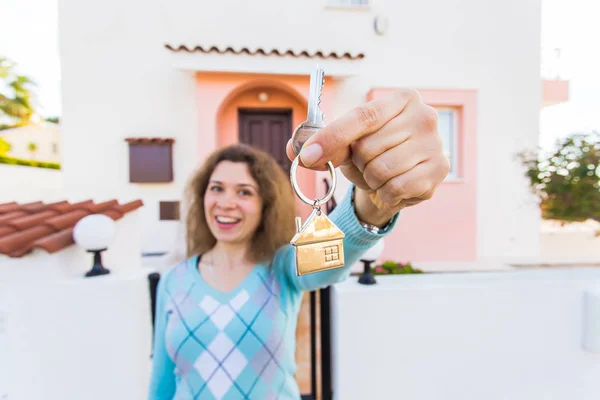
219,95
445,227
555,92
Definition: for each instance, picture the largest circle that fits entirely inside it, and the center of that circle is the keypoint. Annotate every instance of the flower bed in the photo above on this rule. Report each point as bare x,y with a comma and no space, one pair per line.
395,268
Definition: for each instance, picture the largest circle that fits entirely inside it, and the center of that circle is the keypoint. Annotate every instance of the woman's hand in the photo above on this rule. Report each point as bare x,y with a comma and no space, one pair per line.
389,148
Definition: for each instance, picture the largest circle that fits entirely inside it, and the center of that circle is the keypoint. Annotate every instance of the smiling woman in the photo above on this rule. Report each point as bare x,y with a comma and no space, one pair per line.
244,183
226,317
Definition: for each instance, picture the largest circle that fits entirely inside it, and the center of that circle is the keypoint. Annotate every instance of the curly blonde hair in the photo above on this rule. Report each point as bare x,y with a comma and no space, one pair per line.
278,204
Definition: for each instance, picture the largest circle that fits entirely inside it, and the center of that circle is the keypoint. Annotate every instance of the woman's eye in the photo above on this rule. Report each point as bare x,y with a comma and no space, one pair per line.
215,189
245,192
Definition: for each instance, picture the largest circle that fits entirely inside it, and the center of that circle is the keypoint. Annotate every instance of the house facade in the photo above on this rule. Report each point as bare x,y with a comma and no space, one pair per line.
166,83
39,141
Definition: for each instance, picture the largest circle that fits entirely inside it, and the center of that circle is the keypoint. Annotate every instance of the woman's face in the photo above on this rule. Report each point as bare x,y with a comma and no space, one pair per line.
232,203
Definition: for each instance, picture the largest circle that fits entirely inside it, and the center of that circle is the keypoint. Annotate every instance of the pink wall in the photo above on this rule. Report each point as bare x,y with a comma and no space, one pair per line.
219,95
555,92
443,228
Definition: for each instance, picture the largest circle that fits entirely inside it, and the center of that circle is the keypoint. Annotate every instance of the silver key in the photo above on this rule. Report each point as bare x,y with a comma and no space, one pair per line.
314,119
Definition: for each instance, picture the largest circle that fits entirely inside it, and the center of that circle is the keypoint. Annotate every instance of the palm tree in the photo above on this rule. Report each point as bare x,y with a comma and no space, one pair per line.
16,97
4,146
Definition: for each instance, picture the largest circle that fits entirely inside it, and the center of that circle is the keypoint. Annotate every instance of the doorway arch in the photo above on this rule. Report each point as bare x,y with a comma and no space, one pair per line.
267,99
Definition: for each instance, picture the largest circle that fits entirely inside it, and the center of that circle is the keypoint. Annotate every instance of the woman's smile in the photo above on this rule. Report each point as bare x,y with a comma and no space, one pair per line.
226,223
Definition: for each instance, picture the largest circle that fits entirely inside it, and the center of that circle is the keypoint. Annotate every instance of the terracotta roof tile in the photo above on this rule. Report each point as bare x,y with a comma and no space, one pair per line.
28,221
114,214
66,220
8,207
20,252
147,140
84,205
49,226
22,240
33,207
132,205
7,230
4,218
98,208
275,52
56,241
61,206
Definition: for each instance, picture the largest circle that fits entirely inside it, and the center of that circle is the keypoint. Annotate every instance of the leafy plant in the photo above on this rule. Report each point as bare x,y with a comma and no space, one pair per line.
29,163
395,268
4,146
16,96
567,182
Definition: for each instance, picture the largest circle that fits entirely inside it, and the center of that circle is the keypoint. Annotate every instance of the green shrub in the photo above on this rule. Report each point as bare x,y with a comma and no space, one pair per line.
395,268
28,163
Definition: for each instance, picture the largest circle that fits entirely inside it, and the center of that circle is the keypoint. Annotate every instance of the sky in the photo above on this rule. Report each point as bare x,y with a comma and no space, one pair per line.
572,25
28,35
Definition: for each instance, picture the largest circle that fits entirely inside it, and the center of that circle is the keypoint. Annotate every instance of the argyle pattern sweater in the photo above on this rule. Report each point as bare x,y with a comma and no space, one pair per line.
241,344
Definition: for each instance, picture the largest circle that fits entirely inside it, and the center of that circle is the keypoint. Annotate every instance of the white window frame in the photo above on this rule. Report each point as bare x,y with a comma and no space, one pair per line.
454,140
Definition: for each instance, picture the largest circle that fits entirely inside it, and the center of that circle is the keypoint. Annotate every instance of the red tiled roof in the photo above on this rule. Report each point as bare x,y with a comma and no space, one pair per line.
275,52
145,140
24,227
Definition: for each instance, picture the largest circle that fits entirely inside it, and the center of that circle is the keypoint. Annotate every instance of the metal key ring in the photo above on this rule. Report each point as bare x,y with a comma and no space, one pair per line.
317,202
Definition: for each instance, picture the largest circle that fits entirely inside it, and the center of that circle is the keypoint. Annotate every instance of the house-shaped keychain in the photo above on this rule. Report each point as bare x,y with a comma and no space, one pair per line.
319,244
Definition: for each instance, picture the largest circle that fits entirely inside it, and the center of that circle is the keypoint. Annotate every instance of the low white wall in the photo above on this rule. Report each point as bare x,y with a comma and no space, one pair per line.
23,184
515,335
76,338
66,337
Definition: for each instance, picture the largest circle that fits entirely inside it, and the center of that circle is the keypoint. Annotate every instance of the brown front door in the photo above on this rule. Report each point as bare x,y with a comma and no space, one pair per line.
268,130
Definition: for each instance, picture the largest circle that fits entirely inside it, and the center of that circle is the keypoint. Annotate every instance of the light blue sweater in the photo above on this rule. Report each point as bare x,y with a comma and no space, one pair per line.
240,345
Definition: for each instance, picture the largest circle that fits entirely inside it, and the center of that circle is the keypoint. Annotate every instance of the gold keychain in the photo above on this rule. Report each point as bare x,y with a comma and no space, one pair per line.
319,242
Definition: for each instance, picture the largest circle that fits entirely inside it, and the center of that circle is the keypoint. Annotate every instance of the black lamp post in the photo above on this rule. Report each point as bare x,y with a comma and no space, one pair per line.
367,277
97,268
95,233
370,256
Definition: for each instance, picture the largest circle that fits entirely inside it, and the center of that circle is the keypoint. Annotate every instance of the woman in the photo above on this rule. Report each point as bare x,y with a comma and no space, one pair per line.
226,317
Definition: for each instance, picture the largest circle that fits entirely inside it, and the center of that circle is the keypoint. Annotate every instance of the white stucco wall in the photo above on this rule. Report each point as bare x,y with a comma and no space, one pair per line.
510,335
114,65
26,184
116,73
64,336
76,338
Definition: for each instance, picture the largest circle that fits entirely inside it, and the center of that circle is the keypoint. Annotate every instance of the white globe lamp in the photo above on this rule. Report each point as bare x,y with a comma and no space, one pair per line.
369,258
95,233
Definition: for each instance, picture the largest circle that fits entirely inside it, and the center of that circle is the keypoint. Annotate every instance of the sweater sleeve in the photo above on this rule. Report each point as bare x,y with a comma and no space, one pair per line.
162,379
357,241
